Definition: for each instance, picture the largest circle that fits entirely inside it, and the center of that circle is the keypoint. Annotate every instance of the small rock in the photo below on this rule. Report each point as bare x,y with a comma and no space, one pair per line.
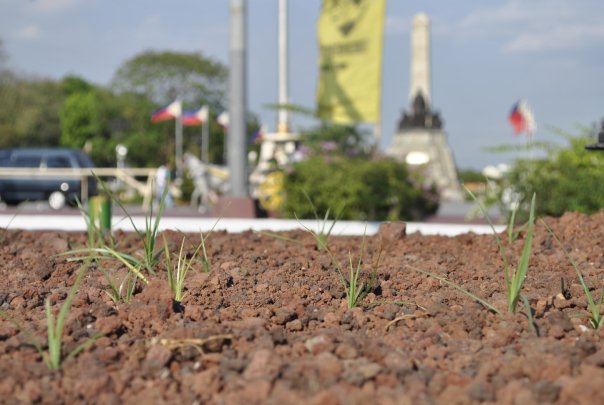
157,357
481,392
329,368
108,324
358,371
331,319
546,391
392,231
284,315
294,326
346,351
264,364
596,359
318,344
562,303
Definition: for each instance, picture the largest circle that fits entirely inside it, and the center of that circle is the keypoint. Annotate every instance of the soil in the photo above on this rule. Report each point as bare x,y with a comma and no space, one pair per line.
269,323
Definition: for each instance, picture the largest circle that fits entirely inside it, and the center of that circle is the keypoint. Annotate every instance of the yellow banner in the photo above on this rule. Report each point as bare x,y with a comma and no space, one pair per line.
350,34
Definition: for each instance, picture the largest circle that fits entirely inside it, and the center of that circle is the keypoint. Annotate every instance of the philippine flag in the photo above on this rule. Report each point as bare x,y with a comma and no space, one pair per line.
223,119
168,112
522,119
196,117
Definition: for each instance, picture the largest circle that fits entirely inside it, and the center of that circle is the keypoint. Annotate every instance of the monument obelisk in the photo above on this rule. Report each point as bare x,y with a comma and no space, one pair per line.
420,140
420,58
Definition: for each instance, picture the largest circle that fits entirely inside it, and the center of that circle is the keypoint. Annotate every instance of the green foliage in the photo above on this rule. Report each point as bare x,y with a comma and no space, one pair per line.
74,112
162,76
566,180
346,140
29,111
73,84
471,176
357,188
80,119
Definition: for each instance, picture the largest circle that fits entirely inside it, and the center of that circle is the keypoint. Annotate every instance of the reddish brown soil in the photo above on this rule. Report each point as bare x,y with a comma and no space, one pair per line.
269,324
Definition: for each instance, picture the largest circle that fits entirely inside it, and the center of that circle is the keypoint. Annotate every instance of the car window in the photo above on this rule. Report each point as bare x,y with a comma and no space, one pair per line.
84,160
57,162
27,161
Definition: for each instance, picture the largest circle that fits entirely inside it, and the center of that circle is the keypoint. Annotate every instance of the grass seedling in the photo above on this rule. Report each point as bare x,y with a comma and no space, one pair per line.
53,356
95,236
457,287
149,235
150,257
354,288
324,229
122,292
595,306
19,209
513,278
177,274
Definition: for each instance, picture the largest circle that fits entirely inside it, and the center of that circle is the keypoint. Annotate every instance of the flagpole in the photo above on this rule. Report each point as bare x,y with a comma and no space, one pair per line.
205,140
178,146
283,116
377,133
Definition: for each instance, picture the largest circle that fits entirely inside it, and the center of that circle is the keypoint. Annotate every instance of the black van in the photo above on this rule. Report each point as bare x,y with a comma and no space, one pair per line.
57,191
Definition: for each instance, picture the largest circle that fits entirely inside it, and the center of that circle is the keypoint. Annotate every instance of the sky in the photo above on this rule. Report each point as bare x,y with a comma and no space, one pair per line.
486,55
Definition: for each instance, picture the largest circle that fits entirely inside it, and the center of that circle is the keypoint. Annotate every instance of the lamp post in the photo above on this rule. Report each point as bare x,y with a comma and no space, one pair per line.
236,153
600,144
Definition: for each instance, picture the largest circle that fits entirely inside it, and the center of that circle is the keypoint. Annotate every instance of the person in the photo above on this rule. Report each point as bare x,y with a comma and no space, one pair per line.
163,177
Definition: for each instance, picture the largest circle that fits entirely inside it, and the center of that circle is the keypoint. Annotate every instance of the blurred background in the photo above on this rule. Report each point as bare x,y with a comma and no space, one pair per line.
89,74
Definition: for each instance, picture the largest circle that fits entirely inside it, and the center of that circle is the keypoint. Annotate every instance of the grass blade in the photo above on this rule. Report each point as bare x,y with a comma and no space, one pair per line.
457,287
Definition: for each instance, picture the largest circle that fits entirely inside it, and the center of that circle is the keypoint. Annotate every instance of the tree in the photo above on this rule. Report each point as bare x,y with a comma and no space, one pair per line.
164,76
29,111
80,119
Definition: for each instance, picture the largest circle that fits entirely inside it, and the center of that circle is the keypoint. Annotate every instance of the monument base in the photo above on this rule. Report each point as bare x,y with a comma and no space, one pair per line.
234,207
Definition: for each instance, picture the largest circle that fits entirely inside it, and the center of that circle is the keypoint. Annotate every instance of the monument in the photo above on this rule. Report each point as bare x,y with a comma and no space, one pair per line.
420,139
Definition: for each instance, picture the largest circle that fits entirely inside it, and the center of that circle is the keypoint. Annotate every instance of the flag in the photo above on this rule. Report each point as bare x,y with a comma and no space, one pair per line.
167,112
258,134
522,119
350,36
223,119
195,117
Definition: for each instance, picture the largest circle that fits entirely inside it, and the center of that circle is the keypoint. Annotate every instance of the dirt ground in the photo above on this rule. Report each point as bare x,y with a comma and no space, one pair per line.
269,323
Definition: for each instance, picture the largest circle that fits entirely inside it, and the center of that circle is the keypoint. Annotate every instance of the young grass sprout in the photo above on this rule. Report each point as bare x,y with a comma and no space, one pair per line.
324,227
149,236
122,292
594,306
135,265
178,274
354,288
53,356
514,278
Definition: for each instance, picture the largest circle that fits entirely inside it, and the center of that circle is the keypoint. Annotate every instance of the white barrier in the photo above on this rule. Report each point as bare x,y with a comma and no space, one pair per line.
75,223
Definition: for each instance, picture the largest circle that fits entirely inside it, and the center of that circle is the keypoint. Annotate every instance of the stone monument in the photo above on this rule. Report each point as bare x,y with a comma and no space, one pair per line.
420,139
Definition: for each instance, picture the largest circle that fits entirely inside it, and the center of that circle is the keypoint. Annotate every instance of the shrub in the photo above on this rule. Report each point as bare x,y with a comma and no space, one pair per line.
567,180
357,188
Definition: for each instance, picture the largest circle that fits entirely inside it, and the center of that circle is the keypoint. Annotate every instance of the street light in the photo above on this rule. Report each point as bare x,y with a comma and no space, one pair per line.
600,144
